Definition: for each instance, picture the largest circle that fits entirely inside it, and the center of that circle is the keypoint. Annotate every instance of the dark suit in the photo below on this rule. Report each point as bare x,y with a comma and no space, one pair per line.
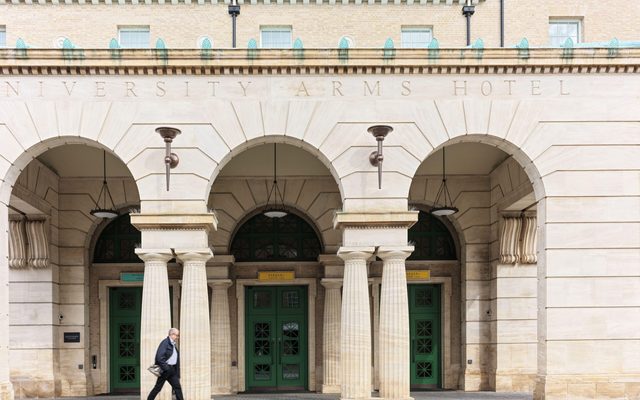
171,373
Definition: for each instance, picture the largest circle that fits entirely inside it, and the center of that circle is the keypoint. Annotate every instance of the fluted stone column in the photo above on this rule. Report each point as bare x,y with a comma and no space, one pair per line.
195,332
220,337
6,388
394,324
355,329
331,336
155,316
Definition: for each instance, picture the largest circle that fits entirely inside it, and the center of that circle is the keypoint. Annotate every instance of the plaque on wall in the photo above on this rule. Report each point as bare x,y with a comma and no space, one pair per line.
72,337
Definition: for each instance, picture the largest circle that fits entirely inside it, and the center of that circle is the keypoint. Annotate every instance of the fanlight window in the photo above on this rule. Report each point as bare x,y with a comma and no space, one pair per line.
117,242
289,238
431,239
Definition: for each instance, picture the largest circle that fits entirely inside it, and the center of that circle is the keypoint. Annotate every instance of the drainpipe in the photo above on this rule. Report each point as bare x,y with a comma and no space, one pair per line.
234,11
467,10
501,23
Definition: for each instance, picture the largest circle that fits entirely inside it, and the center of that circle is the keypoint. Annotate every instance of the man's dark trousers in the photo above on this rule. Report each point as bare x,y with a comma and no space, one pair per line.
168,376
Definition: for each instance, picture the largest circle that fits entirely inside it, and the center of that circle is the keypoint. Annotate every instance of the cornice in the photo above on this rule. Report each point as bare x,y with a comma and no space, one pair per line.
241,2
317,61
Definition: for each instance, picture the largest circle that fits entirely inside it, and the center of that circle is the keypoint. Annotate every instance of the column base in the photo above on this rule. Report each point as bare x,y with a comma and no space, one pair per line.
6,391
331,388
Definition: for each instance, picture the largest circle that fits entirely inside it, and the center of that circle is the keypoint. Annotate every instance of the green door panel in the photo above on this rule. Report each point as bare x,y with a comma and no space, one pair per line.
125,304
424,322
276,337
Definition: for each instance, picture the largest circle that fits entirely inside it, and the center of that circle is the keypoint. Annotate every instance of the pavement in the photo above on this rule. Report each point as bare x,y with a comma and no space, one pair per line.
422,395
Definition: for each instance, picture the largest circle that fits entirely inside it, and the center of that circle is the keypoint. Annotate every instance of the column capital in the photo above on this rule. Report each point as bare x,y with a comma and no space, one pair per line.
149,255
394,252
188,255
356,253
225,283
331,283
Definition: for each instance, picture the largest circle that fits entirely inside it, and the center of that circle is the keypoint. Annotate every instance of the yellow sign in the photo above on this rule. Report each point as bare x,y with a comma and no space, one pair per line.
269,276
419,275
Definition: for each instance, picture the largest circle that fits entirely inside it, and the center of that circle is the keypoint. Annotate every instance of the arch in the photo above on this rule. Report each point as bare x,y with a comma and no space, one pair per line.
276,139
290,238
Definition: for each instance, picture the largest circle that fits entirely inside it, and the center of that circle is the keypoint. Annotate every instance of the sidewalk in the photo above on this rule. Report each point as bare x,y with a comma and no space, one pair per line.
426,395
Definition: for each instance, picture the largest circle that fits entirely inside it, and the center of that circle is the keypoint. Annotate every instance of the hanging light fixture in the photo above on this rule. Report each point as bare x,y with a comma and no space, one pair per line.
275,209
104,212
447,208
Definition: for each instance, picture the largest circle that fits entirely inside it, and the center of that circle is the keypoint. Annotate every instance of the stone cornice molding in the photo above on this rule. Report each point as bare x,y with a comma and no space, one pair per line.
207,222
371,220
154,255
241,2
193,255
235,62
356,253
392,253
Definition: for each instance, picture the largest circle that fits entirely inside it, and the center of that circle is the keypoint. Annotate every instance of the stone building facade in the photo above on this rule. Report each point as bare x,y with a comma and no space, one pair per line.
531,286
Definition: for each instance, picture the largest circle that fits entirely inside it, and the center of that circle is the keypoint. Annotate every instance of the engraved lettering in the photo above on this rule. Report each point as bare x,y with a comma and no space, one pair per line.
302,89
337,85
213,87
41,88
406,88
69,91
486,88
457,87
100,89
186,88
376,87
160,90
130,87
535,88
562,91
15,90
509,82
244,88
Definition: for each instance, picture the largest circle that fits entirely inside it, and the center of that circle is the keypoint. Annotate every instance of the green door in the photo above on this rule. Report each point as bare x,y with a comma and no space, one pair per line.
124,336
424,321
276,337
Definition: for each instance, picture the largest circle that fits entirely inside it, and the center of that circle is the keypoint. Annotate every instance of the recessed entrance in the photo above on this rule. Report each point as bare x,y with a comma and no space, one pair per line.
125,304
276,338
424,322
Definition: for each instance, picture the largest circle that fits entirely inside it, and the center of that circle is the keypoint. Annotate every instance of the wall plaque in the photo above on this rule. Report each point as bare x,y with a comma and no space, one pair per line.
71,337
270,276
131,276
419,275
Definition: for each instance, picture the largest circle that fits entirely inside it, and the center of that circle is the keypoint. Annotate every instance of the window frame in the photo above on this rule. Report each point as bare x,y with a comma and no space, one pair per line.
134,28
276,28
416,29
3,36
565,21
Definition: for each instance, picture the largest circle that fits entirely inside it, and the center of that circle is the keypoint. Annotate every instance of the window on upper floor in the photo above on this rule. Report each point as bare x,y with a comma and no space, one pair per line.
416,37
133,37
562,29
275,37
3,36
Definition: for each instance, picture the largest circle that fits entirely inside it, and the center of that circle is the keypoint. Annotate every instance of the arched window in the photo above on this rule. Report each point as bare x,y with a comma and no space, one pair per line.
289,238
117,242
431,239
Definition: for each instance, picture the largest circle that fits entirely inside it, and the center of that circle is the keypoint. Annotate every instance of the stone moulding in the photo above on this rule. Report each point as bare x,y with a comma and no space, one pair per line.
316,62
207,222
28,244
518,240
17,244
372,220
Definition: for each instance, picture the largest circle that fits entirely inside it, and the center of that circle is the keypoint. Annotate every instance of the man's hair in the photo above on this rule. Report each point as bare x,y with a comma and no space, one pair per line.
172,331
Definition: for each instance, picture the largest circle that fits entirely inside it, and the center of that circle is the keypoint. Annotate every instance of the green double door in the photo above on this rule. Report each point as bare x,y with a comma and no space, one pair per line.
276,337
424,321
125,305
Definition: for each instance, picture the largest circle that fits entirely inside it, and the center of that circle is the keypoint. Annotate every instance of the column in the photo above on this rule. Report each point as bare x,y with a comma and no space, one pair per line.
355,330
155,316
394,324
220,337
331,332
6,389
195,332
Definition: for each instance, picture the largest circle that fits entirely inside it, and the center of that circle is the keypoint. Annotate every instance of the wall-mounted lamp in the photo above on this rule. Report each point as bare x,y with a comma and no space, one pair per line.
234,11
468,10
171,160
376,157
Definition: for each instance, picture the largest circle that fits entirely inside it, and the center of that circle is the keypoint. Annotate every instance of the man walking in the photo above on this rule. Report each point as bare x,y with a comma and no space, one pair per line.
168,358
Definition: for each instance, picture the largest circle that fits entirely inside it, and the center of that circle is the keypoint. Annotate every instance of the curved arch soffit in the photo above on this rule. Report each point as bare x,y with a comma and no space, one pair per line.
509,148
257,210
20,163
313,151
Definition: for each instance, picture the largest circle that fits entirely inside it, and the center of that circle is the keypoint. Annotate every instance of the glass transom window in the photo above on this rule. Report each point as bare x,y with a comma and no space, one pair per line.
416,37
3,36
561,30
134,37
275,37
